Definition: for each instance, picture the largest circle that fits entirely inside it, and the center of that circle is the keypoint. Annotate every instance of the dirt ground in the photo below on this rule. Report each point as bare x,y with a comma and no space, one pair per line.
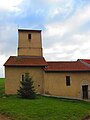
87,118
2,117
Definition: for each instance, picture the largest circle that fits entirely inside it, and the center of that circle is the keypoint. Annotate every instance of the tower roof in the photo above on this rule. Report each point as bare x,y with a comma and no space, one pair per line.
28,30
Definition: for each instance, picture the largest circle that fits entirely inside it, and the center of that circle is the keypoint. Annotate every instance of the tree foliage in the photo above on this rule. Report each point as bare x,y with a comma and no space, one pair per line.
26,89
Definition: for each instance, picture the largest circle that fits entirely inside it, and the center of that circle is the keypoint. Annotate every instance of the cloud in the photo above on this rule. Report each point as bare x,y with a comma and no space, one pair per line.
61,9
65,25
2,61
66,39
10,4
8,39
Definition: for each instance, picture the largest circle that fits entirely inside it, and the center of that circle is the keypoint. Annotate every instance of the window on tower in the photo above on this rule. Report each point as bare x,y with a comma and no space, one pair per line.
29,36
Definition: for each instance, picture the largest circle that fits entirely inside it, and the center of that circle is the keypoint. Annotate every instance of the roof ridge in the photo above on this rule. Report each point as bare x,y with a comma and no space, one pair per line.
61,61
29,56
83,59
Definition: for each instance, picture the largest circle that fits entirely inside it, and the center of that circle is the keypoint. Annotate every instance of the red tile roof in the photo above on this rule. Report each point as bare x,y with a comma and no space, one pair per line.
78,65
67,66
86,60
25,61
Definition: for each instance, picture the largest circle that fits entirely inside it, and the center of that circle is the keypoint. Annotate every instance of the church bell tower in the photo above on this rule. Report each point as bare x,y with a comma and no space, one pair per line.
29,43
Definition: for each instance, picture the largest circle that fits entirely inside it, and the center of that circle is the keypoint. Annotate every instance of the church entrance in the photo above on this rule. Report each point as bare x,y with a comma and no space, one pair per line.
85,91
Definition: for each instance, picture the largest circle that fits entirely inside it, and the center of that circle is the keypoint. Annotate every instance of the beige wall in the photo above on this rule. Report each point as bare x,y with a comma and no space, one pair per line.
32,47
51,83
13,76
55,84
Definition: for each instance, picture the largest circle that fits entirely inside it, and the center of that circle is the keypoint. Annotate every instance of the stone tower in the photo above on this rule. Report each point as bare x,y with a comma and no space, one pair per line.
29,43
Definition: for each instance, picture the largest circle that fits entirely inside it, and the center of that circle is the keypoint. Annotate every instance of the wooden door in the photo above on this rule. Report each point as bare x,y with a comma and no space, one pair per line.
85,91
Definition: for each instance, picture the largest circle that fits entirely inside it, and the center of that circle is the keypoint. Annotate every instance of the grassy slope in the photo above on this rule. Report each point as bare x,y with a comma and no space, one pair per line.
2,81
1,86
44,108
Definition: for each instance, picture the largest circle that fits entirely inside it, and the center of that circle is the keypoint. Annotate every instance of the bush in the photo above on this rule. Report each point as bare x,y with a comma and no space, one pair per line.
26,89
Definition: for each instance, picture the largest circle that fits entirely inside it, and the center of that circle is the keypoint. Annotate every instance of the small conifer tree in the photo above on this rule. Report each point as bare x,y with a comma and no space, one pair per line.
26,89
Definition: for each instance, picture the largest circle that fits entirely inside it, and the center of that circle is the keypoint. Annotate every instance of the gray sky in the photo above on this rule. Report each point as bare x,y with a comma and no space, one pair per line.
65,26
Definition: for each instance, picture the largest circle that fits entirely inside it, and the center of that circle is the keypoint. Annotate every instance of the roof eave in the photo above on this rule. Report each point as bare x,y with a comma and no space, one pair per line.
24,65
66,70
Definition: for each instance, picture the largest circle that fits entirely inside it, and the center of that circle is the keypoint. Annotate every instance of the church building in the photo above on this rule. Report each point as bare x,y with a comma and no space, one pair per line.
67,79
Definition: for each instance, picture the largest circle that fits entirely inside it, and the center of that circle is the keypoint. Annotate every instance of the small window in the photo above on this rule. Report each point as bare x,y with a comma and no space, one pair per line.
67,80
29,36
22,77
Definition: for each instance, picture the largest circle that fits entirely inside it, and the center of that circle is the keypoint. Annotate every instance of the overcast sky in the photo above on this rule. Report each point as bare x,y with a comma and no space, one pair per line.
65,26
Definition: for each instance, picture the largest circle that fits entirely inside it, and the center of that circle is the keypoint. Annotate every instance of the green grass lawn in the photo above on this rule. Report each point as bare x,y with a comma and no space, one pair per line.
43,108
2,80
2,86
